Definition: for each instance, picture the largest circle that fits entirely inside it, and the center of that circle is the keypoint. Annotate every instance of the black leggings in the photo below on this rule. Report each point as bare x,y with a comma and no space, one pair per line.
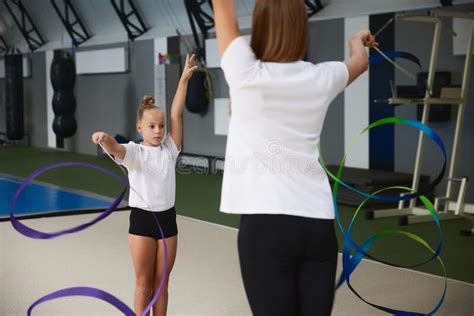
288,264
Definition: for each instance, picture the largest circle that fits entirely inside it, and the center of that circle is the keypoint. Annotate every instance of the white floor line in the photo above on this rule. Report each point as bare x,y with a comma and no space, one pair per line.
206,222
89,194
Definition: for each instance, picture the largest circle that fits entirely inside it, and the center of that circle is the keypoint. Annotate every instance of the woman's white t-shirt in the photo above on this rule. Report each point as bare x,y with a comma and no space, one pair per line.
151,172
278,110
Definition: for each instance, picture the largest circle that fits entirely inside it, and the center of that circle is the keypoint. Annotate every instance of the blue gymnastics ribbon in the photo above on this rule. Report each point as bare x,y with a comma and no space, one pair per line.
351,262
377,58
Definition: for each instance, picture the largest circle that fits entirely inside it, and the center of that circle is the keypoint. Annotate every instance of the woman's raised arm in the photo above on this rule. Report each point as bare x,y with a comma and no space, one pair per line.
227,28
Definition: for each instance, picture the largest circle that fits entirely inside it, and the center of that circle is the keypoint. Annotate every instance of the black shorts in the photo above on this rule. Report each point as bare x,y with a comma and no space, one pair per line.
142,223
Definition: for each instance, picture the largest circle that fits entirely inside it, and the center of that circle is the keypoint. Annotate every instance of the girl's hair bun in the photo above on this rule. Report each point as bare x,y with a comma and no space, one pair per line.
148,101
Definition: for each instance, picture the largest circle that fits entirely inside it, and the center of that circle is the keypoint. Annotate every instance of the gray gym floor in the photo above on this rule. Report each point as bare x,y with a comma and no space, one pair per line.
205,281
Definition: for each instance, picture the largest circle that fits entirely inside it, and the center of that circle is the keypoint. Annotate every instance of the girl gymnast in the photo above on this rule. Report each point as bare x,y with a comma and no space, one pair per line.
151,171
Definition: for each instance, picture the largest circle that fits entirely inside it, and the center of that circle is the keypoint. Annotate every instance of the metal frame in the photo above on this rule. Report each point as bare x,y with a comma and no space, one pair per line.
413,214
313,8
204,21
133,30
76,28
28,29
3,45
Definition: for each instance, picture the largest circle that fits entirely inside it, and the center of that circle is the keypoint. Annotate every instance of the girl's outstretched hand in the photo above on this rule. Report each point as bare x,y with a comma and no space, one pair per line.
99,137
189,67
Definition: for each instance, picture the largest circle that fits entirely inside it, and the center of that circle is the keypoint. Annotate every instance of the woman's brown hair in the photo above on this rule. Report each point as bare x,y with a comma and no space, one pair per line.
148,103
279,30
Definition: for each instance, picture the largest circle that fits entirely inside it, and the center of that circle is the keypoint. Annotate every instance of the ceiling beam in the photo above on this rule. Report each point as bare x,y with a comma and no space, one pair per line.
24,22
131,18
72,22
313,7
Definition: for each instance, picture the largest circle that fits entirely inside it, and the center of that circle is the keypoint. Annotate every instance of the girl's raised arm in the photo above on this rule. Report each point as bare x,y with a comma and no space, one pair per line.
177,107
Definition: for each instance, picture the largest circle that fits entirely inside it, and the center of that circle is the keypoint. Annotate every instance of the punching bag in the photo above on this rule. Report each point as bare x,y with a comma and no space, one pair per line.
63,78
197,100
14,96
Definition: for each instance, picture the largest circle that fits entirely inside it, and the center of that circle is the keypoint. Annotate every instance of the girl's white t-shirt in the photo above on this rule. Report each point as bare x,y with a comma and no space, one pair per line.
278,110
151,171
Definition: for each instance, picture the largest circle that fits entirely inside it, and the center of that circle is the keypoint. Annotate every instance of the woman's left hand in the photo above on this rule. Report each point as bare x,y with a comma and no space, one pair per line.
189,67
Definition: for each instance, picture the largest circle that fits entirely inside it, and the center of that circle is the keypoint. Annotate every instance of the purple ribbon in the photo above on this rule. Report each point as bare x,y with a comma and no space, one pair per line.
84,291
32,233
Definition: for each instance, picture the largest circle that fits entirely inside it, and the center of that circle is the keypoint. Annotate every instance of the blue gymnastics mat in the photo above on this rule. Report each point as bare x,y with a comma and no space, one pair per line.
39,199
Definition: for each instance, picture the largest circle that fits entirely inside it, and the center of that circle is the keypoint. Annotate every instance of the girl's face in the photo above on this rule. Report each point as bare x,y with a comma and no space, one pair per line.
152,127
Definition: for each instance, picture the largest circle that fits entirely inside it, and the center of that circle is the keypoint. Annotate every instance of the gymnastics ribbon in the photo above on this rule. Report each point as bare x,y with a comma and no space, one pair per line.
377,58
32,233
351,262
